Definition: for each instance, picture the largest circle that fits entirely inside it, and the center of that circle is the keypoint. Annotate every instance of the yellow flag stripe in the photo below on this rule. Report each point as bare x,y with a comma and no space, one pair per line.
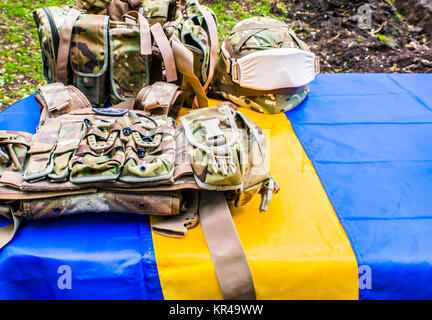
296,250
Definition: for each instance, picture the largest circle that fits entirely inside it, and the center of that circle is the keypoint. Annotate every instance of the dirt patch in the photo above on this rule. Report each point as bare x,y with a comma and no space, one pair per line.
331,29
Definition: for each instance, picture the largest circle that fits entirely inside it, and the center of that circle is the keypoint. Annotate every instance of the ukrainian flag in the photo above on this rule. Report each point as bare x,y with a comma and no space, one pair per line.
352,219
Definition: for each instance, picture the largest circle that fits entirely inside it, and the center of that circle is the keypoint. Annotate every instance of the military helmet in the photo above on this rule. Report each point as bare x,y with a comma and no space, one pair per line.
264,66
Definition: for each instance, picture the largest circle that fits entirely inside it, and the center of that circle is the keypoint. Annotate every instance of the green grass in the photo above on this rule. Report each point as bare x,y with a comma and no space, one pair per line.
382,37
229,13
20,58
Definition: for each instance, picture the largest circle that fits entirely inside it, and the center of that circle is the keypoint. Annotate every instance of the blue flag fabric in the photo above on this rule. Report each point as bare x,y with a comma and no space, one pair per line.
369,139
108,256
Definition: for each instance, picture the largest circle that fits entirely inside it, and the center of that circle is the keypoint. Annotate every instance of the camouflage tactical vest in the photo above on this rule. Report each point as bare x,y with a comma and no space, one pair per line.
132,161
252,36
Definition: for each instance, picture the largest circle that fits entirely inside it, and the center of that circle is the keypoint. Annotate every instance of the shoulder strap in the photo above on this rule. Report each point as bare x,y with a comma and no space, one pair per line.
64,45
226,250
166,51
184,62
225,247
214,45
8,232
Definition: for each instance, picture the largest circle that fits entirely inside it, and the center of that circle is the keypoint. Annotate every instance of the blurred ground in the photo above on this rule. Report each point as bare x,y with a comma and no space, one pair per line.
329,27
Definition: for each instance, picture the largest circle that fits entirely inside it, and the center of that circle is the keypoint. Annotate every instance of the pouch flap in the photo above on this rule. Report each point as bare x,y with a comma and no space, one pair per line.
69,137
159,94
129,69
56,96
45,139
89,45
157,9
214,148
17,137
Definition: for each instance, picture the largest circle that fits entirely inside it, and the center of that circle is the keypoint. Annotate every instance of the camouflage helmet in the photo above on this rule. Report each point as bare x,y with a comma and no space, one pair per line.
255,35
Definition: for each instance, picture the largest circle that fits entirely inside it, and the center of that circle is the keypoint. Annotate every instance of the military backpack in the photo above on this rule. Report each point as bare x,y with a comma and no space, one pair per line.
110,50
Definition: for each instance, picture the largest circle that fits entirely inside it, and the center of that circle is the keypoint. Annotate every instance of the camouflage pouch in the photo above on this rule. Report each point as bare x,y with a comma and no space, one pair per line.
40,162
14,146
140,54
160,98
92,6
56,99
159,11
89,56
100,154
227,153
129,69
49,22
150,150
152,203
251,37
68,141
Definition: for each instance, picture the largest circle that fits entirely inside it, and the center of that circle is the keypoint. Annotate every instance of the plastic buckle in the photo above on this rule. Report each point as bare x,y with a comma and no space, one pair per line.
317,65
105,143
214,135
267,194
222,159
235,72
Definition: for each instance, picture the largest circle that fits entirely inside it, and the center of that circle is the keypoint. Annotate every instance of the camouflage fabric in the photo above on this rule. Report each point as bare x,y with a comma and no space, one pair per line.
160,98
192,30
150,151
89,56
129,71
49,22
251,35
116,160
13,150
92,6
68,140
100,154
103,202
43,143
159,10
227,151
268,103
58,99
98,44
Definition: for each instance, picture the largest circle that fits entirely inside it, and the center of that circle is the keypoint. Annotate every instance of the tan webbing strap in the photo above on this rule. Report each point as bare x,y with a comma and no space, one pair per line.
166,51
213,33
145,37
226,250
8,232
214,47
176,226
64,45
10,178
184,62
132,17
